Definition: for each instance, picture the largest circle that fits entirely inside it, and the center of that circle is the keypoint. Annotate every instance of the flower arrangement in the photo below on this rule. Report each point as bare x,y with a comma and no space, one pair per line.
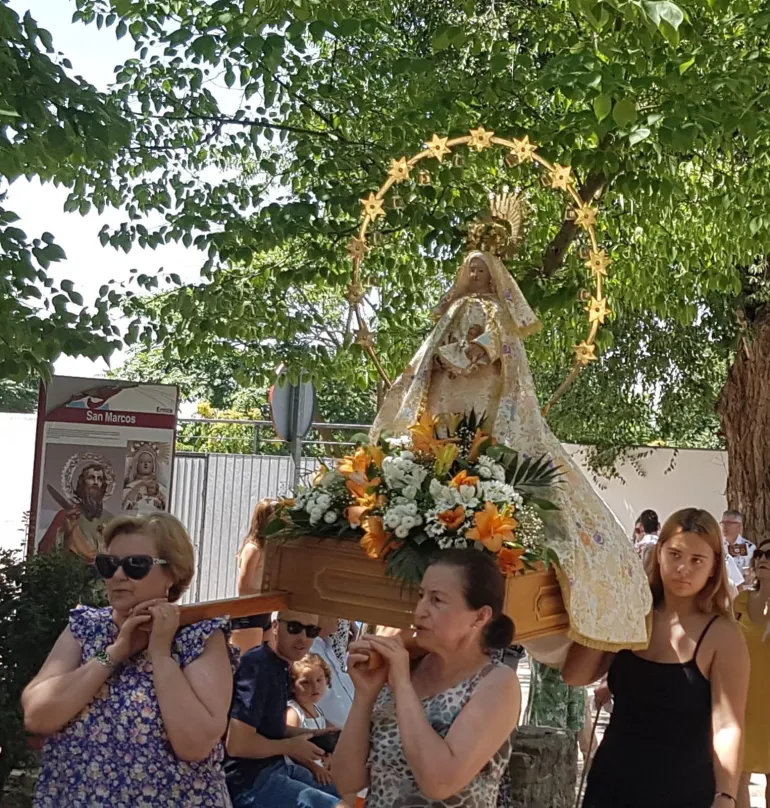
445,484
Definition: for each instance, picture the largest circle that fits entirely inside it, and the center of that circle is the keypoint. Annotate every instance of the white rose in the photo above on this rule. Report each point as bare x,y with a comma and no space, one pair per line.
330,517
402,532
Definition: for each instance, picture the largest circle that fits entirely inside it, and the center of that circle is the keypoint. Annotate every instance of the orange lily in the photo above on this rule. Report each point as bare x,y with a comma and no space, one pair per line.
452,518
492,528
445,456
463,478
288,502
509,559
424,434
355,466
319,475
478,441
361,490
355,513
375,538
377,455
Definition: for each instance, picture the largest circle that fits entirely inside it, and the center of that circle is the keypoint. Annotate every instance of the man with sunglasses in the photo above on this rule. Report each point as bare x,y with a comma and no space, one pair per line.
259,743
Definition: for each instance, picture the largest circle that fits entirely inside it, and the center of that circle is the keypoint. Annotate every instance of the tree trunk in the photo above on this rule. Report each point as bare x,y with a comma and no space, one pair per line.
744,406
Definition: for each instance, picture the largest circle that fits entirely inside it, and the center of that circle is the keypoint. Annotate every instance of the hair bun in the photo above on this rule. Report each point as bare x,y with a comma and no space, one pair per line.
499,633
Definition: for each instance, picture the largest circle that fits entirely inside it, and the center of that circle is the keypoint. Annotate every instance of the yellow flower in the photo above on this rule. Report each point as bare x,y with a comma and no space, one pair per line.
375,538
492,528
509,559
320,474
445,457
377,455
452,519
463,478
361,490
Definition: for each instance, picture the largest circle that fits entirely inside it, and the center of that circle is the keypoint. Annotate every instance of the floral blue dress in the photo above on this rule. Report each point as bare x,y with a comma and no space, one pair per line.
116,753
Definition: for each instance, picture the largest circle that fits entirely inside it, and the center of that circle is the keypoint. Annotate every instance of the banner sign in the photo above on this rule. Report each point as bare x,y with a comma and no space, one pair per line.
103,447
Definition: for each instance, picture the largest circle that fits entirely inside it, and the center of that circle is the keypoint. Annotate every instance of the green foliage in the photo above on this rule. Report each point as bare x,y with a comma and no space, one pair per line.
18,396
36,596
59,129
658,108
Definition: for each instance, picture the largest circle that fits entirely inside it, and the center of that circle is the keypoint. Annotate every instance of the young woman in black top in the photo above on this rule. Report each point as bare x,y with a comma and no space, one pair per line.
675,738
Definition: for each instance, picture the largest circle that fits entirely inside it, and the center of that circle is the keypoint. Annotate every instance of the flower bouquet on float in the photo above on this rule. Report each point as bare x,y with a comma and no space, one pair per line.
356,542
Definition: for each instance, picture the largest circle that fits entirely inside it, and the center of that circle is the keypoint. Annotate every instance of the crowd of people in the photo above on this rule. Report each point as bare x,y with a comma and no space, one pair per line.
289,709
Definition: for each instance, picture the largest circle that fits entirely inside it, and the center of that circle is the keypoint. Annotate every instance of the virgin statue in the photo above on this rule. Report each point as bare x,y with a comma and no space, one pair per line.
475,359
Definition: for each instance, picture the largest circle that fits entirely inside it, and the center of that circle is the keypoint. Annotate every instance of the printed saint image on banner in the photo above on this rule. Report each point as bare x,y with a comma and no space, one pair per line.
145,485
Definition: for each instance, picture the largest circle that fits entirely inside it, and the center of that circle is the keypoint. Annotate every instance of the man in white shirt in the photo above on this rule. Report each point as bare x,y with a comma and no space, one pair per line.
738,549
332,647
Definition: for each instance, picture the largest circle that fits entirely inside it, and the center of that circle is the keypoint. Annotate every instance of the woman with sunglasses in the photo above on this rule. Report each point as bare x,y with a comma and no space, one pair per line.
675,738
133,706
752,608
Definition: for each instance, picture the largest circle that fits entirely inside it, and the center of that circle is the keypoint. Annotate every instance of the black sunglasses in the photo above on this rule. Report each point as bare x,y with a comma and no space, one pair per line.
295,627
760,554
136,567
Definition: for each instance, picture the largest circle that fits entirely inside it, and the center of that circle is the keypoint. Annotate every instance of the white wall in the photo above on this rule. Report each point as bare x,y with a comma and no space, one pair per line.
663,479
17,439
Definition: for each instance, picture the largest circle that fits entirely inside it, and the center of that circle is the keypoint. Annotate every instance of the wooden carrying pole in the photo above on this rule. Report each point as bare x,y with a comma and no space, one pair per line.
233,607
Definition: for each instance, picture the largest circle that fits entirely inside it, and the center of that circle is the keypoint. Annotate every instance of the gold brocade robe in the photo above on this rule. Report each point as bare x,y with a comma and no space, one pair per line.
603,583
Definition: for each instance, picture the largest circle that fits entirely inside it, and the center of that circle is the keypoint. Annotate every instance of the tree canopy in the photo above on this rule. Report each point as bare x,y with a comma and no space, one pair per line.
57,128
256,128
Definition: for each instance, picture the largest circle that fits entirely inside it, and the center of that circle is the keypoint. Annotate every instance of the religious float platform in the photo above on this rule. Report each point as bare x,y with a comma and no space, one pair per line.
325,576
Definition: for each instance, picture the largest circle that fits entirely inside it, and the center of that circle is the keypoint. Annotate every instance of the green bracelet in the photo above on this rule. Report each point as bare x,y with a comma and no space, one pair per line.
103,658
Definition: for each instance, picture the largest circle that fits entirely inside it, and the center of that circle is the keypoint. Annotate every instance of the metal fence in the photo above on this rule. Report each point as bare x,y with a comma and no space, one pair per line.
214,494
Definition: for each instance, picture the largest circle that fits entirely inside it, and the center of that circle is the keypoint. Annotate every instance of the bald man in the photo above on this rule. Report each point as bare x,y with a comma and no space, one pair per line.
258,740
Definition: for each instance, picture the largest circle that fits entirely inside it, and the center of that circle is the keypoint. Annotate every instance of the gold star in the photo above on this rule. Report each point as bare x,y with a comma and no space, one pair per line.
585,216
597,310
399,170
355,293
480,139
585,353
438,148
560,177
357,249
523,149
373,207
364,337
597,262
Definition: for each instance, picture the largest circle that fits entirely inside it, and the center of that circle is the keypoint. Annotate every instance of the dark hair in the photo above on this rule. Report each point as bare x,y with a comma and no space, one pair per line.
484,585
649,521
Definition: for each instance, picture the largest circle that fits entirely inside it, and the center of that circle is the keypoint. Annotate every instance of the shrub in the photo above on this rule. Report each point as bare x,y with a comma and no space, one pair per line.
36,595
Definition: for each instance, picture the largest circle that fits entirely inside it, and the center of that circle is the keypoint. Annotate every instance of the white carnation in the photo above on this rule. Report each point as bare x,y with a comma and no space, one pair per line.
402,532
485,472
330,517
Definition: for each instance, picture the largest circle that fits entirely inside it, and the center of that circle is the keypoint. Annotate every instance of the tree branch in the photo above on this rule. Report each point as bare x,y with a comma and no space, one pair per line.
556,251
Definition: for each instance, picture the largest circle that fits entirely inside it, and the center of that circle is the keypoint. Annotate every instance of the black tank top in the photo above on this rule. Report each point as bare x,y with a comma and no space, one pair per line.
657,750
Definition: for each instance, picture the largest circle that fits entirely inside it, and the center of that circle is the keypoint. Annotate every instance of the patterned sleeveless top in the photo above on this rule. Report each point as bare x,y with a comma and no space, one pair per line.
116,752
391,781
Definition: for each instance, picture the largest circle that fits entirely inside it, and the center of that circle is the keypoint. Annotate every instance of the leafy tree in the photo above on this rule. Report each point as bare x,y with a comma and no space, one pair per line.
659,108
59,129
18,396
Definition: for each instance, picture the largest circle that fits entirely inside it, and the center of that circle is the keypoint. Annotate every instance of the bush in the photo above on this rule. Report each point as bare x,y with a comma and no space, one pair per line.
36,595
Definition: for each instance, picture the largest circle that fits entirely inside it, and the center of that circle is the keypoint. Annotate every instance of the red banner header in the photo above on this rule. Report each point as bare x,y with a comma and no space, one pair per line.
81,415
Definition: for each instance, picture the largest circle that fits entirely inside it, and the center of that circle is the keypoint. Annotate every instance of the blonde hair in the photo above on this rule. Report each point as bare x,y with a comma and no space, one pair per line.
307,663
171,539
714,598
263,513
